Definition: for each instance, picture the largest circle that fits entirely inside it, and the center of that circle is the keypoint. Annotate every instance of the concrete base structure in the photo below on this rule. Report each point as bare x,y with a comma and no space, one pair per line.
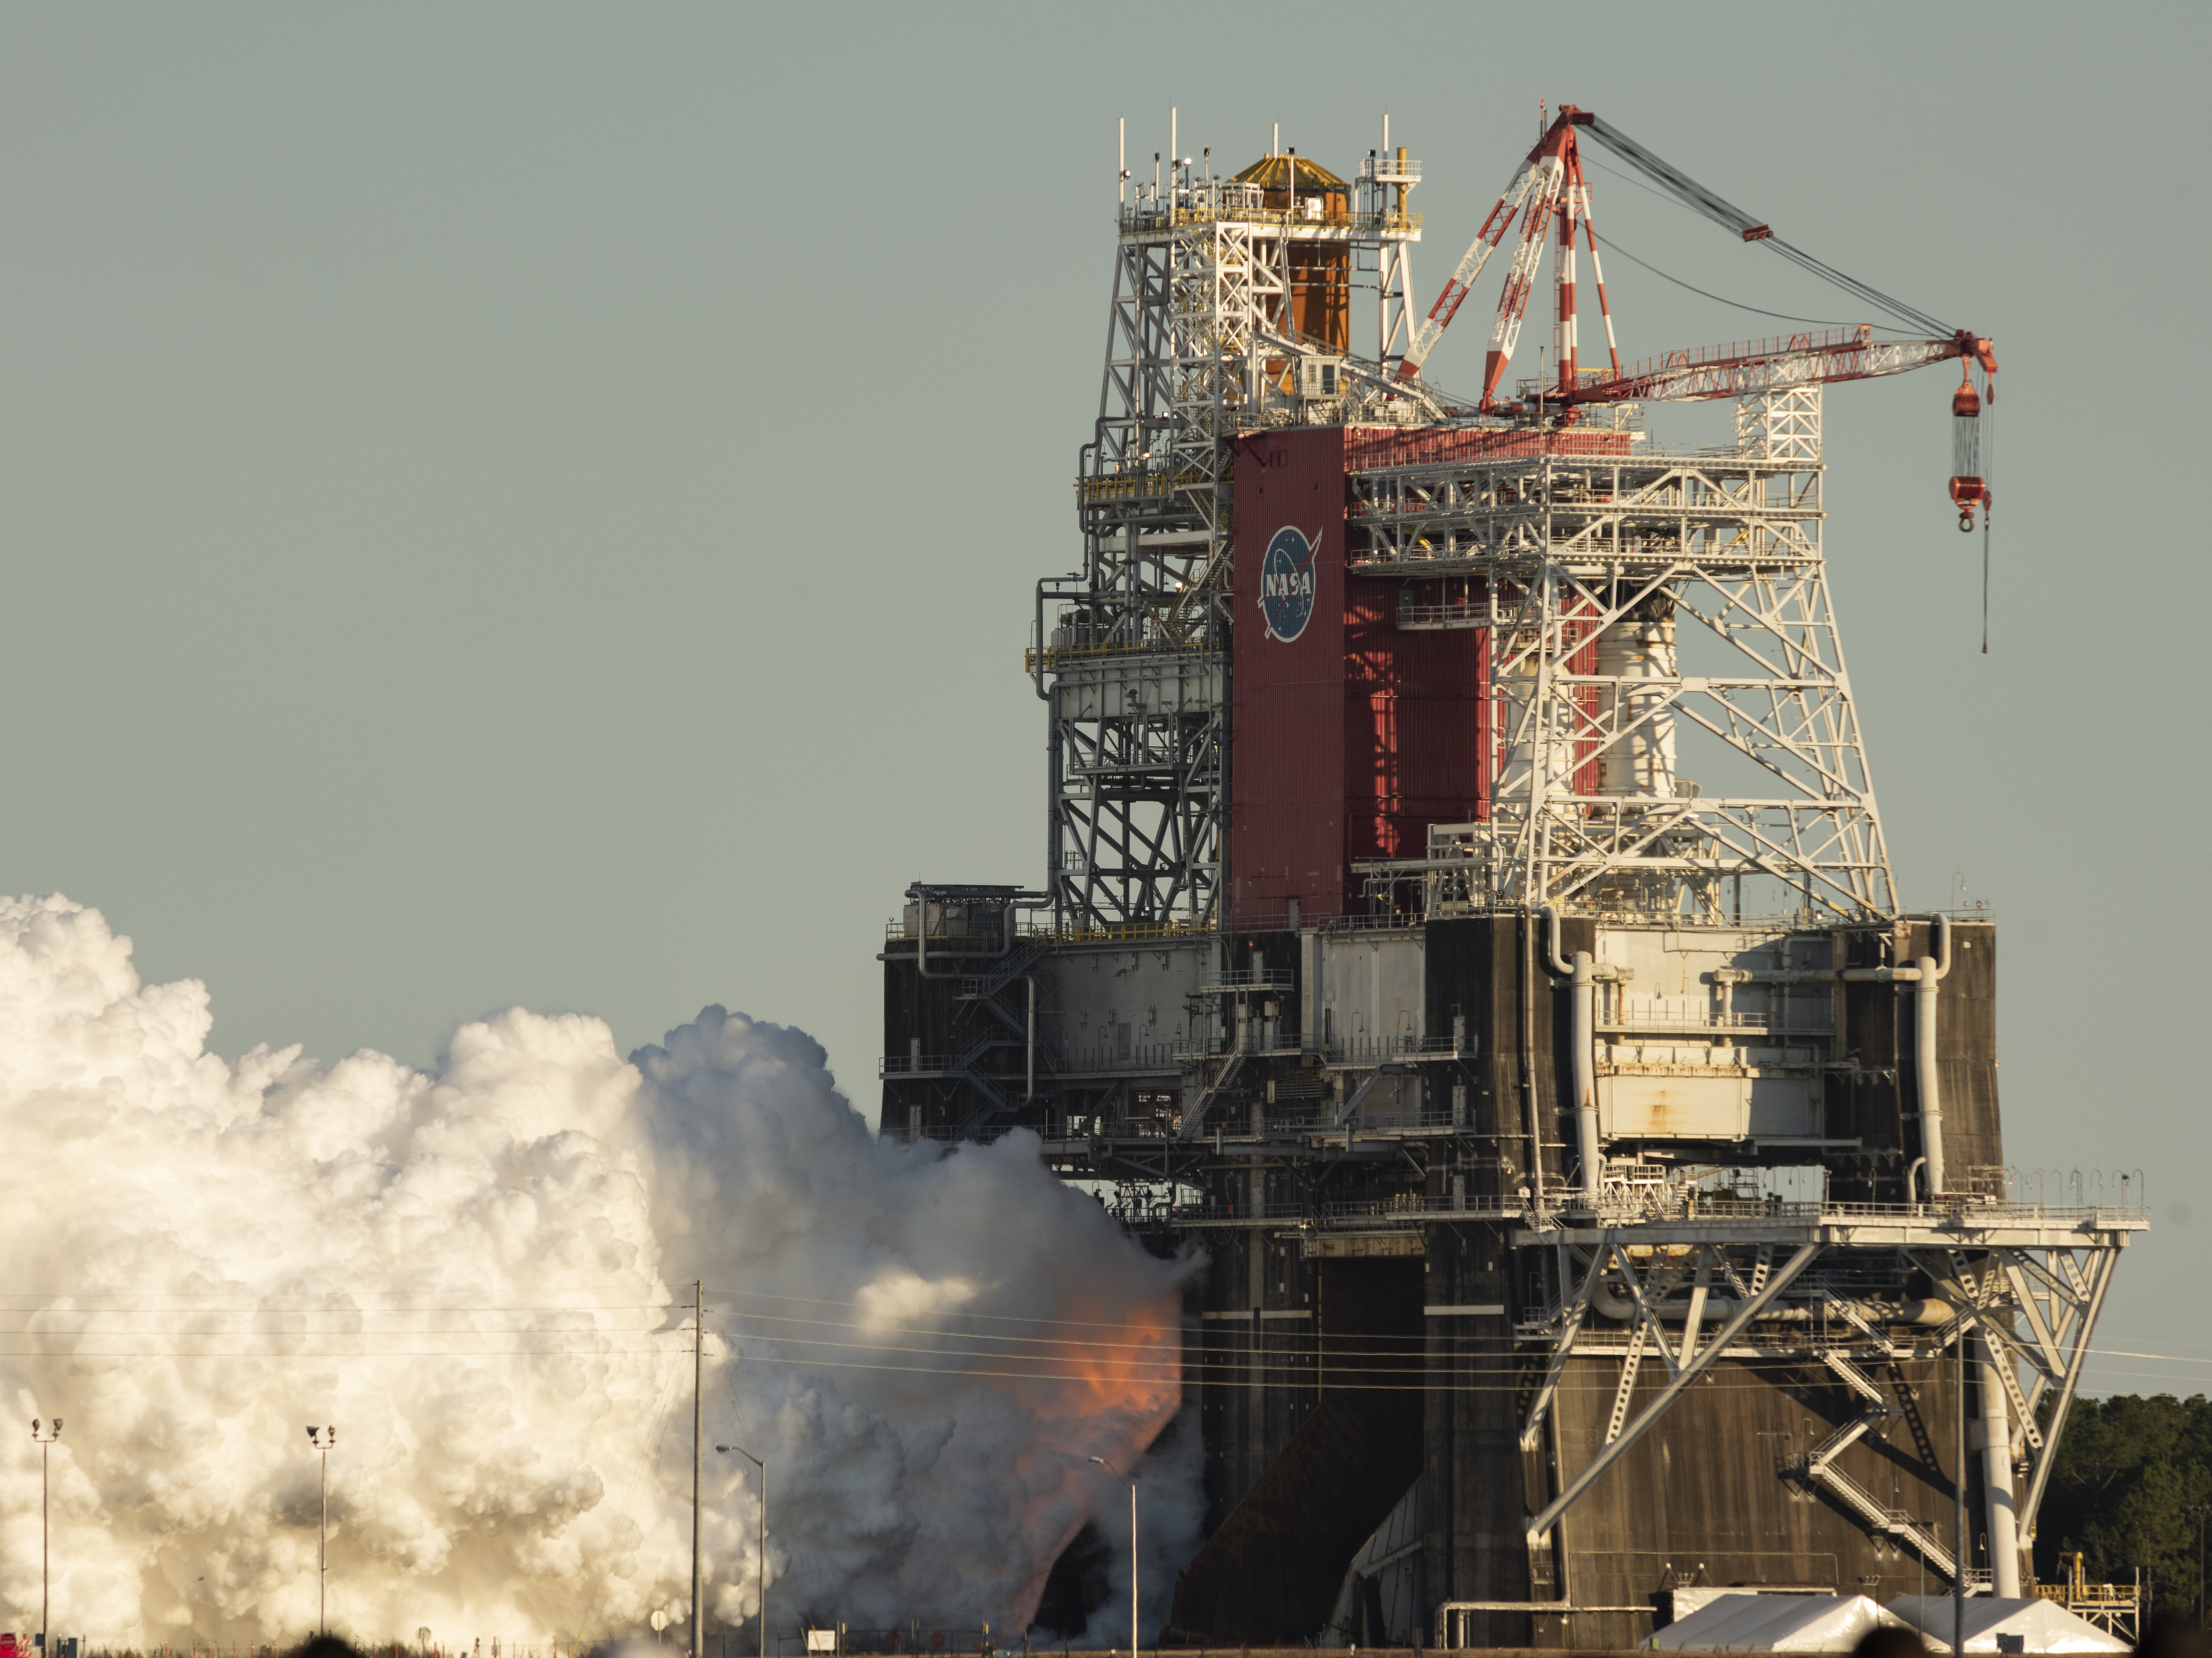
1417,1310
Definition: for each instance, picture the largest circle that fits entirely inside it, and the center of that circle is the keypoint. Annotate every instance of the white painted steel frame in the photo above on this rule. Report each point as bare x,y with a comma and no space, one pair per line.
1196,351
1552,549
2033,1282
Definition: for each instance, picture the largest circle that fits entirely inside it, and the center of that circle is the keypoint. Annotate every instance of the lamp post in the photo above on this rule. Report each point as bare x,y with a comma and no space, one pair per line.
322,1439
44,1437
762,1548
1132,1478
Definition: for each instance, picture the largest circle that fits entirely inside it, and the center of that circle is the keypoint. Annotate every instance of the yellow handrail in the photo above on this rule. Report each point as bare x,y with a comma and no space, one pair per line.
1132,485
1060,653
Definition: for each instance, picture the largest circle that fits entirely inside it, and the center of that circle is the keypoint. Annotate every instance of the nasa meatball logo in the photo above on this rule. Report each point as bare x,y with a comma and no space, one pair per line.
1286,583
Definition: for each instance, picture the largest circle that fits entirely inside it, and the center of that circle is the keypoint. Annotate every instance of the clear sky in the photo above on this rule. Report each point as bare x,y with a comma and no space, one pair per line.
539,503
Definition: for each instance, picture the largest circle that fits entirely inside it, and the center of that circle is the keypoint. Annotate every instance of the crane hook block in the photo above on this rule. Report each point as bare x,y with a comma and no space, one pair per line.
1965,493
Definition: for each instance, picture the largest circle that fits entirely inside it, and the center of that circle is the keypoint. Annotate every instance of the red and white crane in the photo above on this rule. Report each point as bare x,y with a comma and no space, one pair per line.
1551,199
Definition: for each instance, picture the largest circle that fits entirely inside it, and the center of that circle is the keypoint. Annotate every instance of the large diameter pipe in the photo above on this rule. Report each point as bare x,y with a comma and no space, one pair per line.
1996,1480
1931,1093
1931,971
1611,1304
1583,1037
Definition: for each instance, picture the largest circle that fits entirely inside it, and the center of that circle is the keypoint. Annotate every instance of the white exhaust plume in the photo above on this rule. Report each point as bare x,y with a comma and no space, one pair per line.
480,1275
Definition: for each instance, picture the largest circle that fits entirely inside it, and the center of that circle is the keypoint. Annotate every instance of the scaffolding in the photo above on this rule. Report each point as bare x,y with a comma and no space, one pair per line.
1632,598
1131,654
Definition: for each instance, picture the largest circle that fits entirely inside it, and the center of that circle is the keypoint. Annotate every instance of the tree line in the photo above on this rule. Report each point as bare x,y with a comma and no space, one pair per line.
2132,1487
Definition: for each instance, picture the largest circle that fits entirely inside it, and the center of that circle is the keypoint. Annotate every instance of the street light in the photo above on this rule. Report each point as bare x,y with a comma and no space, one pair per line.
762,1548
44,1438
322,1439
1132,1478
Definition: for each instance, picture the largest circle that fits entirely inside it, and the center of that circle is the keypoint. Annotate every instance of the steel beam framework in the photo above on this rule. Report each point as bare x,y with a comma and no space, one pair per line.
1546,550
1136,795
1197,350
2029,1280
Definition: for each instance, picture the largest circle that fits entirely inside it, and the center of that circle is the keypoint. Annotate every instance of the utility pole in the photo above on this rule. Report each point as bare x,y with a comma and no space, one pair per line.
322,1439
1959,1515
43,1439
760,1552
1132,1478
698,1370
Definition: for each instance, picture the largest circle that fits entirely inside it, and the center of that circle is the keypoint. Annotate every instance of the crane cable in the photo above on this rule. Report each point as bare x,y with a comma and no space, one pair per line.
1779,316
1721,211
1988,418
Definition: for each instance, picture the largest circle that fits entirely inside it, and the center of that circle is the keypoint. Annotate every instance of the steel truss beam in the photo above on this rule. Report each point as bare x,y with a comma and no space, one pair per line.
1699,1361
1136,794
1198,349
2059,1294
2029,1281
1580,541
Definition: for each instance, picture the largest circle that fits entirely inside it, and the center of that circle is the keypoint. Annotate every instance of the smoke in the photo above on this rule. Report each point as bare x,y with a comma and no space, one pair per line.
1170,1521
480,1275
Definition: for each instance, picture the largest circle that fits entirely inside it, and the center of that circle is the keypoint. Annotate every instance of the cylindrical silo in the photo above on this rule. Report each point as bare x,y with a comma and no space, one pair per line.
1638,764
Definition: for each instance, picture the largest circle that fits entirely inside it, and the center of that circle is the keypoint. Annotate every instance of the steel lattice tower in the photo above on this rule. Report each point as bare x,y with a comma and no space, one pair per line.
1211,279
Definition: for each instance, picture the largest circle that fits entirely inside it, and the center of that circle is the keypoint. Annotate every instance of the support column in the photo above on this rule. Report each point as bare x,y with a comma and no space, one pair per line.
1996,1477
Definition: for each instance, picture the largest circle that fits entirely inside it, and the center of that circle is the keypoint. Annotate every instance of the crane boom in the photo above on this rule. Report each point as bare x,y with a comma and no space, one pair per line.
1774,365
1462,279
1550,187
1543,174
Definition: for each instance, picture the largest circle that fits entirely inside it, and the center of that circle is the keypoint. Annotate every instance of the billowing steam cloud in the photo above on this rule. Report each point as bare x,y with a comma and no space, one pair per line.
479,1275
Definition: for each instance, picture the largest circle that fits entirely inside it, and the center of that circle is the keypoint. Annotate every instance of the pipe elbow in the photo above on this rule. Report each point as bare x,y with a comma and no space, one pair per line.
1942,946
1554,959
1609,1302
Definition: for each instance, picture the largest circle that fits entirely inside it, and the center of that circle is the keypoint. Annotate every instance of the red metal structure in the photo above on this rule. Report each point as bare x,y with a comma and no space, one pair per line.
1549,194
1354,735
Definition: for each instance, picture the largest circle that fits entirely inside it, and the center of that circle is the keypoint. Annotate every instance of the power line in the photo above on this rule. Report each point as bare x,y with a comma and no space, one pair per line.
1236,1366
1723,212
611,1341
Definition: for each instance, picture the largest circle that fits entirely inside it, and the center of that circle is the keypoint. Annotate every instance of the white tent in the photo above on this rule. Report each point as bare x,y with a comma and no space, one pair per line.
1751,1622
2041,1625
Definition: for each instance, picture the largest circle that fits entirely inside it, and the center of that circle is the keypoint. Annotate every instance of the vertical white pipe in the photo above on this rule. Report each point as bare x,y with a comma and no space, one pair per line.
1931,1096
1122,161
1581,1040
1584,1034
1996,1480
